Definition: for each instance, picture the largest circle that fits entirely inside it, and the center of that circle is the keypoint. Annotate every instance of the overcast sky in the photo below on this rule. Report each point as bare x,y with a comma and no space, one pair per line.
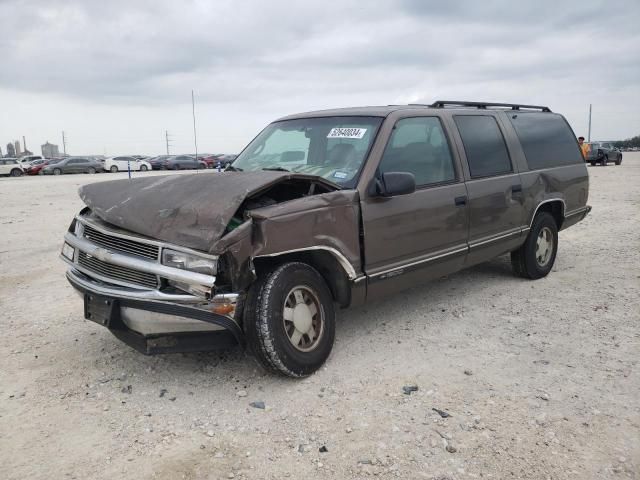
114,75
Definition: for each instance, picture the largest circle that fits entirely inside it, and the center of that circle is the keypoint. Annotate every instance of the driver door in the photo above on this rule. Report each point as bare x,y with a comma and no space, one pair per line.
423,235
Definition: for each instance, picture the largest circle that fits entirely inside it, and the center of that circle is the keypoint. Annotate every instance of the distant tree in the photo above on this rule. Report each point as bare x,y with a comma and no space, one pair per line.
628,143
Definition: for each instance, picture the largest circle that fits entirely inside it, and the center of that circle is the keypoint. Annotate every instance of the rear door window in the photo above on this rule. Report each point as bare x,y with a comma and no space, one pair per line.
484,145
546,139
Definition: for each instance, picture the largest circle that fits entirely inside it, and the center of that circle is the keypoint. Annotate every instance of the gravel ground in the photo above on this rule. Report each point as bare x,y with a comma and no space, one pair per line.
540,379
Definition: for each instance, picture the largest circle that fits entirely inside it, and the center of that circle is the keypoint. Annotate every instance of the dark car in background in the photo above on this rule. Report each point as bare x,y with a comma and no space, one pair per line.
157,163
183,162
603,153
73,165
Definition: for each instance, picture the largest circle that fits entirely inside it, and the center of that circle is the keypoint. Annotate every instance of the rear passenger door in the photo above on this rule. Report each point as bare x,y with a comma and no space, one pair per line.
72,166
422,235
496,202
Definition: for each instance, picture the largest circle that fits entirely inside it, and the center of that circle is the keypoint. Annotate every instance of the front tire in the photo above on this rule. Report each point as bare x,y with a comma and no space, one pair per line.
57,171
16,172
535,258
113,169
605,160
619,160
91,170
289,320
143,168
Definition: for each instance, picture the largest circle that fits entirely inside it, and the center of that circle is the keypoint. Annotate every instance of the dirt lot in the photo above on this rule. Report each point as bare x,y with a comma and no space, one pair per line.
540,378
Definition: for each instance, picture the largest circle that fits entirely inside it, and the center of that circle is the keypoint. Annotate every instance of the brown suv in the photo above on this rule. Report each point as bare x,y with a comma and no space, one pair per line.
323,209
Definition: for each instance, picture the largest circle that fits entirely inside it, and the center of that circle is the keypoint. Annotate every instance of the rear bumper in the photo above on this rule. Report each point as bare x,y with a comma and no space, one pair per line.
155,326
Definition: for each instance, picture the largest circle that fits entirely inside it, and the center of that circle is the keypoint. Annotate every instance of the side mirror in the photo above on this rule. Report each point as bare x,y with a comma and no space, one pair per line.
392,184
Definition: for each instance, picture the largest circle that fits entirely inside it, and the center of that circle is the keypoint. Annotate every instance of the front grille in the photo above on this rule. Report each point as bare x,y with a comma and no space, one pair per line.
116,272
123,245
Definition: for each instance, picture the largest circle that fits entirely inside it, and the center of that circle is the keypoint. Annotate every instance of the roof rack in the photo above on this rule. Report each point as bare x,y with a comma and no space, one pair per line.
484,105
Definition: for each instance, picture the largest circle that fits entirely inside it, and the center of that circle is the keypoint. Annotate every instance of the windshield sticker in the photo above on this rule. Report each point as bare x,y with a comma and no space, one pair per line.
347,132
340,174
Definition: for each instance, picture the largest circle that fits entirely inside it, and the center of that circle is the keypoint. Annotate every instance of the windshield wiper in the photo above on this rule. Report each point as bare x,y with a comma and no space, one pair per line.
276,169
231,168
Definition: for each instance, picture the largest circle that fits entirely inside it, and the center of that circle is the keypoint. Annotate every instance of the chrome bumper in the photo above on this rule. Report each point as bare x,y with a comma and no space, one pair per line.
124,288
134,311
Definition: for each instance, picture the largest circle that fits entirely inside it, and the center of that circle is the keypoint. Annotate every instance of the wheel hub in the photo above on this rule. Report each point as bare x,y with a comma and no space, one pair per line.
303,318
544,246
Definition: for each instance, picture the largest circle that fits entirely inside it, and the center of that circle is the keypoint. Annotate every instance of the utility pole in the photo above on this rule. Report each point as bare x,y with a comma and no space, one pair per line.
24,144
167,140
195,138
64,143
589,134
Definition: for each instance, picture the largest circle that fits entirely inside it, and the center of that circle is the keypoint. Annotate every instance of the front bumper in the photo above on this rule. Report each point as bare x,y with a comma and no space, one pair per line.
127,289
152,326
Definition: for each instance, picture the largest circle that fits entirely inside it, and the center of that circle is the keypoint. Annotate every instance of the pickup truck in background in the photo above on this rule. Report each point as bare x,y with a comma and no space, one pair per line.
603,153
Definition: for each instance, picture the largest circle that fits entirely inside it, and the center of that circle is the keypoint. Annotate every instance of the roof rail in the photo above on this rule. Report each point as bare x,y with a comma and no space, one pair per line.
484,105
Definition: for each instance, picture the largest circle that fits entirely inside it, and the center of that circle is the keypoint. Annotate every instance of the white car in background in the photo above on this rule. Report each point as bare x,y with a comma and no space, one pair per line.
11,167
27,159
122,164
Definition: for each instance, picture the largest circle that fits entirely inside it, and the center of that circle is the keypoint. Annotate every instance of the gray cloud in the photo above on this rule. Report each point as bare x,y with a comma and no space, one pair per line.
276,57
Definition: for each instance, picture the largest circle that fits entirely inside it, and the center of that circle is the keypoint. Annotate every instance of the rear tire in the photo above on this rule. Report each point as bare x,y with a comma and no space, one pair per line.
619,160
114,169
593,164
289,320
605,160
535,258
143,168
16,172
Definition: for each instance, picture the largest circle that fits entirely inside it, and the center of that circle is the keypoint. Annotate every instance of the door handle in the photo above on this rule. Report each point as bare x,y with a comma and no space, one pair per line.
460,201
516,188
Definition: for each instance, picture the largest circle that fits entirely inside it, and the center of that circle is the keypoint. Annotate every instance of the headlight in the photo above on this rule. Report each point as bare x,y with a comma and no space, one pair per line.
186,261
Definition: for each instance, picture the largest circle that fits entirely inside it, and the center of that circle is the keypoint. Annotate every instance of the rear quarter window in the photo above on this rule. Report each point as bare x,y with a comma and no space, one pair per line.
546,139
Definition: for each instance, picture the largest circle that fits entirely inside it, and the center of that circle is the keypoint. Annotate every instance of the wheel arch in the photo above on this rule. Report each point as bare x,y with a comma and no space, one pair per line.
555,206
334,268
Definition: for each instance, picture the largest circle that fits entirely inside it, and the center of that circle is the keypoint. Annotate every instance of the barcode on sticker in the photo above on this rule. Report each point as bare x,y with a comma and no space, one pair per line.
347,132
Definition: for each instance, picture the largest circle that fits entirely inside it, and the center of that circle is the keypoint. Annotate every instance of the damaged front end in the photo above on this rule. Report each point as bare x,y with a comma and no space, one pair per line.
153,295
164,262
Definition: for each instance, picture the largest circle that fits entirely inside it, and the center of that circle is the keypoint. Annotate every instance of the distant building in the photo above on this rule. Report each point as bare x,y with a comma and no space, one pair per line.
11,150
18,149
49,150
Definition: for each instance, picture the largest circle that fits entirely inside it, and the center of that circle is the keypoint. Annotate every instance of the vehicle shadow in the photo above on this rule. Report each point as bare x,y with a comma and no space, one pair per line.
234,365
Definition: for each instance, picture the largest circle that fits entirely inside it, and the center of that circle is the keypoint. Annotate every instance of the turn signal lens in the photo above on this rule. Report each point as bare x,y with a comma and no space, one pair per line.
223,308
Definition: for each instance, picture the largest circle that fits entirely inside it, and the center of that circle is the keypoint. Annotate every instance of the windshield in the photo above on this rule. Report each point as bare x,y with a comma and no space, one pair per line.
331,147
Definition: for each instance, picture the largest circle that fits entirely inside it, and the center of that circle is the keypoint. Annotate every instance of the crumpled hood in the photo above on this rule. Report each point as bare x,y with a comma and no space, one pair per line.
188,210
